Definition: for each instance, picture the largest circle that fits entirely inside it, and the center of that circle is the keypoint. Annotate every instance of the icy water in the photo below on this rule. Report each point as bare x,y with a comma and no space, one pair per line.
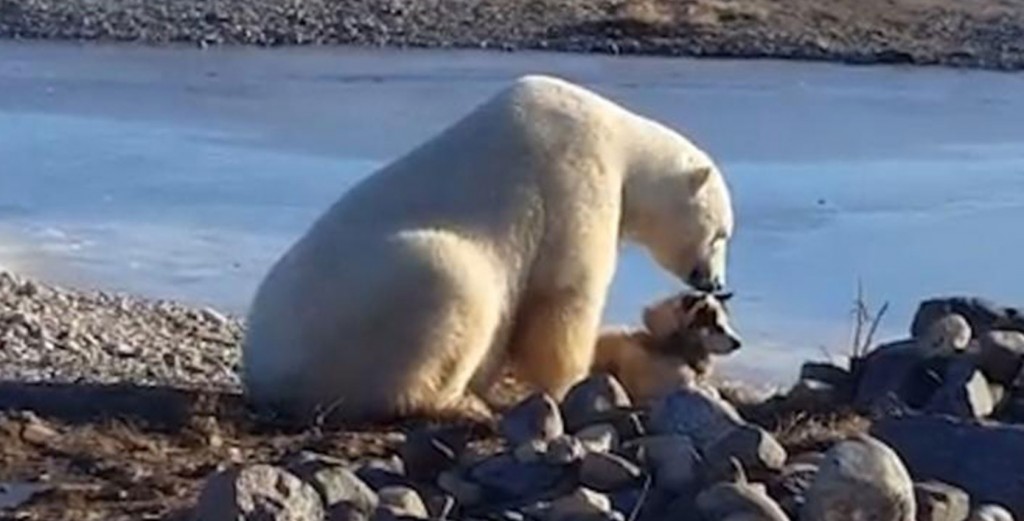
182,173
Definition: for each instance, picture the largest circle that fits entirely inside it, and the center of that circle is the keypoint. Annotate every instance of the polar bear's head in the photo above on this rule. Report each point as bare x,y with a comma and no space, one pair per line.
682,214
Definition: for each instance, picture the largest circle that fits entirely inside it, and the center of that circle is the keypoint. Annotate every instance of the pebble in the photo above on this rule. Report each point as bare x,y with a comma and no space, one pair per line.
333,481
937,501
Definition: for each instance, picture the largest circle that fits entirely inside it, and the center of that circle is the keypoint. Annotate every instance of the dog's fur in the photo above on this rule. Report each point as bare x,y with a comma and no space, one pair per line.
674,348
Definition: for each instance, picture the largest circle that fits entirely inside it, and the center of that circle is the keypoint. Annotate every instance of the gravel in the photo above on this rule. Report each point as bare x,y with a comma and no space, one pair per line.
53,334
932,32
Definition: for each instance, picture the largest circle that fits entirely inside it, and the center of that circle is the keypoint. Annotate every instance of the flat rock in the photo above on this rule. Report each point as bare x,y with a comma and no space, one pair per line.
606,472
984,459
258,493
965,392
861,478
503,477
535,418
696,415
591,400
937,501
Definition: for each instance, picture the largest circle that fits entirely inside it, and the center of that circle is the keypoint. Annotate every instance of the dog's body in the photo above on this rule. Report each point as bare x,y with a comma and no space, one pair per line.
674,348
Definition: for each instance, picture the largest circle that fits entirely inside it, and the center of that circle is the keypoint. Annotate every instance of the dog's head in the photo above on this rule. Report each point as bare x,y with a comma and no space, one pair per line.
699,318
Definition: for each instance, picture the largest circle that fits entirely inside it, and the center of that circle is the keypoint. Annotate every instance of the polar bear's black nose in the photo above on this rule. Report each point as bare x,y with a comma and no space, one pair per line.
700,279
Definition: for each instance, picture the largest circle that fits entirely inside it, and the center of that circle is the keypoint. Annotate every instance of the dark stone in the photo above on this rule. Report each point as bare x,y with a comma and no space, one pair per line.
985,460
1001,355
591,401
605,472
897,373
937,501
535,418
504,478
695,414
983,315
430,451
964,393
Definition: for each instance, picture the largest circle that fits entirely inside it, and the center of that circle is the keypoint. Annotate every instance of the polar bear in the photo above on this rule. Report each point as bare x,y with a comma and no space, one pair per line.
673,349
492,243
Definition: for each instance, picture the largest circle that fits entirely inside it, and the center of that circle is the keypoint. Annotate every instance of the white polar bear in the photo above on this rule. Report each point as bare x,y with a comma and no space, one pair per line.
494,242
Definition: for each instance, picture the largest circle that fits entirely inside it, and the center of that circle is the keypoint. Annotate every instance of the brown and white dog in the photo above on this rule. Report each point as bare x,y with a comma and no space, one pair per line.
674,348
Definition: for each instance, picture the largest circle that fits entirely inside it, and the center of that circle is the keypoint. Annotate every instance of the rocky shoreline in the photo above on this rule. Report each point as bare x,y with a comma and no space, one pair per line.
933,32
115,407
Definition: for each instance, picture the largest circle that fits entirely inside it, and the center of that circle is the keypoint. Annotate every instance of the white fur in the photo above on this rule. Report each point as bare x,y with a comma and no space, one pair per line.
493,242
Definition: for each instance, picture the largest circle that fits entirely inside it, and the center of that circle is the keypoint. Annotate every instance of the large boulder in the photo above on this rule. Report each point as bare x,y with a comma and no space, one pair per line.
965,392
860,478
895,375
986,460
1001,355
983,315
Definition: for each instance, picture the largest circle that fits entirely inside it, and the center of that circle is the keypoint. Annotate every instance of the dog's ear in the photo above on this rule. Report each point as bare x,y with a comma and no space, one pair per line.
661,320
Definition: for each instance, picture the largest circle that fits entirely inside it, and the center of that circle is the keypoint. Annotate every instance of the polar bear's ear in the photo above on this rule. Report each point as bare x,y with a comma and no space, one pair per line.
699,176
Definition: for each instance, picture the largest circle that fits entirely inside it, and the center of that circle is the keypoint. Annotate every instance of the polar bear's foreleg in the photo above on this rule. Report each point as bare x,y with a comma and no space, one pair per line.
552,346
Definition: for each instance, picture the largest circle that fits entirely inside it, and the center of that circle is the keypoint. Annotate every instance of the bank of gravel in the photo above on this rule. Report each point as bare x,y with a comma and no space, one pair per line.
936,32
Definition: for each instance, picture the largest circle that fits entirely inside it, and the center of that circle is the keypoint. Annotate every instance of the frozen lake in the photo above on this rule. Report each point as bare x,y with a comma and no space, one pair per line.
182,173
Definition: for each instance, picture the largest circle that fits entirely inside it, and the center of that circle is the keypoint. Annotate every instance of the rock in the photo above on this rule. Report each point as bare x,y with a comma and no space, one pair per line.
814,395
505,478
671,459
258,493
428,452
754,447
402,502
861,478
990,513
606,472
535,418
335,483
380,473
531,451
1001,355
965,393
947,335
464,491
827,373
789,488
564,450
581,504
345,512
983,459
894,374
589,401
982,315
35,430
738,501
937,501
600,437
695,414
